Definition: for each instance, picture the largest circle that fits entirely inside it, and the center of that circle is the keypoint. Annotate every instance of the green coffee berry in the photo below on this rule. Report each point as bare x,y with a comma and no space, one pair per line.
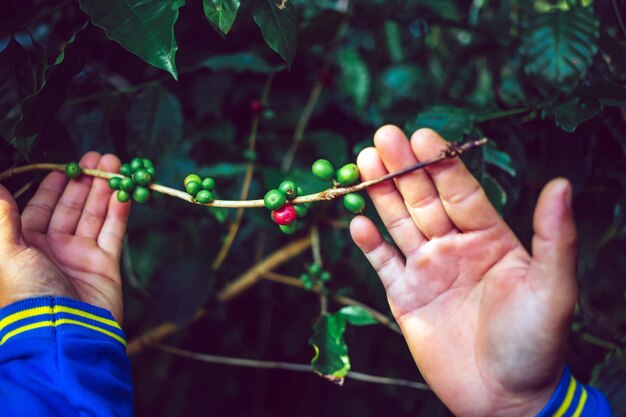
315,269
323,169
325,276
288,229
151,171
125,170
192,188
208,184
348,174
304,277
142,177
301,210
147,163
249,155
135,164
114,183
192,177
308,285
72,170
204,196
122,196
354,202
274,199
127,184
141,194
300,191
289,188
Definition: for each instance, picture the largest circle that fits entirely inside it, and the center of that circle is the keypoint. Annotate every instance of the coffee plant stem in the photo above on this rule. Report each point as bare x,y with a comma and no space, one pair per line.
317,258
287,366
452,151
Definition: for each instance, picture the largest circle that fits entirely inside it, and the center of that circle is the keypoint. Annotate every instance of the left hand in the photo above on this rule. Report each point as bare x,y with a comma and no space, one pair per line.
67,242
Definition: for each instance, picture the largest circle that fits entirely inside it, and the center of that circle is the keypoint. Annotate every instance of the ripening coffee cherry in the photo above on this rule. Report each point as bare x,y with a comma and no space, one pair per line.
72,170
208,184
288,229
256,107
274,199
301,210
192,177
122,196
323,169
114,183
347,174
289,188
147,163
127,184
354,202
193,187
141,194
125,170
135,164
284,215
204,196
142,177
151,171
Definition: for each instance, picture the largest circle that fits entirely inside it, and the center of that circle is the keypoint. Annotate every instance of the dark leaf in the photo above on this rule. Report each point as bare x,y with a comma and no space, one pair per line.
496,193
355,79
357,316
331,352
498,158
606,92
569,115
452,123
145,28
278,22
610,379
241,62
558,48
221,13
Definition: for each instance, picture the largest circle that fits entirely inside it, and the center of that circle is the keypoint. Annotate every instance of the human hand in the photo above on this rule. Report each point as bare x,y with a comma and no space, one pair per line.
68,241
486,321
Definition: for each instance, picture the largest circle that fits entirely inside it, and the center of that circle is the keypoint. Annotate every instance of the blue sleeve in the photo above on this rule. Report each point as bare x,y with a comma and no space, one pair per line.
573,399
62,358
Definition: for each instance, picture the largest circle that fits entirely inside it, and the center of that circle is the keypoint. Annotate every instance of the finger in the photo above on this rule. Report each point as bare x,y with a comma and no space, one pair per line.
10,223
418,191
111,235
462,196
38,211
70,206
553,268
95,211
389,204
383,257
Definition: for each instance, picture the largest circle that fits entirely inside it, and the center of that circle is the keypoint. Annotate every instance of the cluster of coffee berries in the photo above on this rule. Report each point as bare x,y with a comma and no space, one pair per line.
283,212
345,176
314,275
137,176
72,170
201,189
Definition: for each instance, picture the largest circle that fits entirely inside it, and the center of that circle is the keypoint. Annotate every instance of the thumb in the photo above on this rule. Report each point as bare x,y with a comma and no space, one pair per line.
553,268
10,220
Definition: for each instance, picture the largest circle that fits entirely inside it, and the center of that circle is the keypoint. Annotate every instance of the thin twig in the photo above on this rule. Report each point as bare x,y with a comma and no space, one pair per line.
245,189
24,188
347,301
619,17
286,366
451,152
317,258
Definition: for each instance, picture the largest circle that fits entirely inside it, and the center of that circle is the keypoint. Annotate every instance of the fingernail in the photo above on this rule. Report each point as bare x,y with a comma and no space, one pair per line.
567,196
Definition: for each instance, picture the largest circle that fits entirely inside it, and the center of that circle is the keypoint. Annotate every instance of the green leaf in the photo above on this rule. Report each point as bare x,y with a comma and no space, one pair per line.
145,28
357,316
221,13
498,158
241,62
355,79
496,193
606,92
574,112
18,79
558,48
154,122
278,22
223,170
452,123
331,352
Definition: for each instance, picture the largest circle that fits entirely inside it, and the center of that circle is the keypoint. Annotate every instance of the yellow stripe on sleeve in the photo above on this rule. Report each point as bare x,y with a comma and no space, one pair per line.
56,324
26,328
81,313
24,314
581,404
568,399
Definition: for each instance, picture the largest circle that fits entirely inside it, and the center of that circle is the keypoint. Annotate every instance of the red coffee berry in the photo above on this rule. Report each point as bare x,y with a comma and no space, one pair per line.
256,107
284,215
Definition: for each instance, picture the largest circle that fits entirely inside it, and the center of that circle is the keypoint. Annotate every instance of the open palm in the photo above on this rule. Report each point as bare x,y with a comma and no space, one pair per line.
70,240
485,321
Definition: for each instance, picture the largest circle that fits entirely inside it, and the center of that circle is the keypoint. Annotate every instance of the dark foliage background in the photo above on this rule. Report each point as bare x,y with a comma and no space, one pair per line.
544,81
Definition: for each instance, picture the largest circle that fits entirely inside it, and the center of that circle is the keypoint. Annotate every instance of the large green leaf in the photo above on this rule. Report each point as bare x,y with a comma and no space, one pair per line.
331,352
278,22
18,79
558,48
221,13
145,28
574,112
240,62
357,316
155,121
355,79
452,123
